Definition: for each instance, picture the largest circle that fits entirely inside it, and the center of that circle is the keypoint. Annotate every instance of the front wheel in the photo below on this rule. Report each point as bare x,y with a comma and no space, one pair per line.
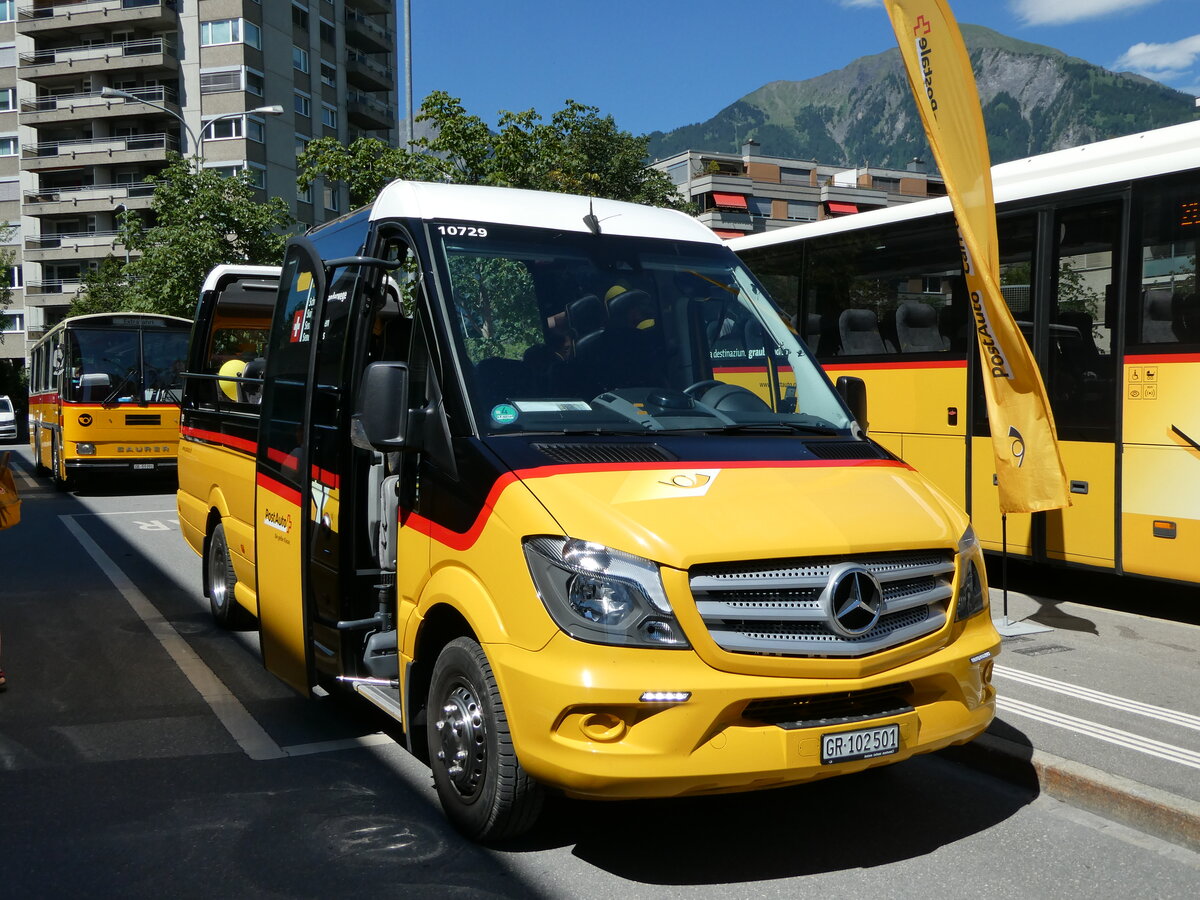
221,580
483,789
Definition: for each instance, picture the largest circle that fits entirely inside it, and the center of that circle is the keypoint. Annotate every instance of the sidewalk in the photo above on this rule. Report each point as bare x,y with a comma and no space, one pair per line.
1098,708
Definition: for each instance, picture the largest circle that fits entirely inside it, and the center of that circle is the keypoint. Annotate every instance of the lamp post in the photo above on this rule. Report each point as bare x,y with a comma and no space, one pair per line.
115,94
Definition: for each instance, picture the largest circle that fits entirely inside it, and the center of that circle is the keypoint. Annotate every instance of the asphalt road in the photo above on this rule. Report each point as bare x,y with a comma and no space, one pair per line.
144,752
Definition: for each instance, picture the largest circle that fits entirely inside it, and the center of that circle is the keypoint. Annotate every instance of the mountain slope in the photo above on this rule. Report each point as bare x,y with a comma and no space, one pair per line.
1035,99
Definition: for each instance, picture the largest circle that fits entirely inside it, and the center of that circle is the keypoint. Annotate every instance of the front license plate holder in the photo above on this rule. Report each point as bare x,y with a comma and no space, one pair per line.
143,467
863,743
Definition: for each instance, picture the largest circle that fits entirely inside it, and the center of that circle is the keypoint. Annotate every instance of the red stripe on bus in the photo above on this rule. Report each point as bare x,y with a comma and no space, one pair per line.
1146,359
282,491
906,364
460,541
216,437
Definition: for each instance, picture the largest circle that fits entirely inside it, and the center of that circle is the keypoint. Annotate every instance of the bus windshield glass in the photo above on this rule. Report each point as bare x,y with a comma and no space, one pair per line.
565,332
126,365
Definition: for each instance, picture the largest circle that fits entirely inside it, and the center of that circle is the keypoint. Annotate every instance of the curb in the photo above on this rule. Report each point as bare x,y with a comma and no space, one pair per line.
1148,809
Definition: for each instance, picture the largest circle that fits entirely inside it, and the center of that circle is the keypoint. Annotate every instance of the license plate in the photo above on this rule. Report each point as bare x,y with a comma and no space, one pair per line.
866,743
140,466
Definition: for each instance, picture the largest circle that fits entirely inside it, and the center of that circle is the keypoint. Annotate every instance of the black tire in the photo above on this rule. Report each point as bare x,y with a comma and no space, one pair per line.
483,789
220,580
38,468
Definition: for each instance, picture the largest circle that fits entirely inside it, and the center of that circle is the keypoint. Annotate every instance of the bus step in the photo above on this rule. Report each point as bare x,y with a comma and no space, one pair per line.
386,697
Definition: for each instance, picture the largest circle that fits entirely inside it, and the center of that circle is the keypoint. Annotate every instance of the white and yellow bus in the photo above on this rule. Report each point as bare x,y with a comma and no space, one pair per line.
104,395
521,510
1098,257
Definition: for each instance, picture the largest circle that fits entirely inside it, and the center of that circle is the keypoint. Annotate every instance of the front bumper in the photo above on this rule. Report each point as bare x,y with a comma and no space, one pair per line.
579,724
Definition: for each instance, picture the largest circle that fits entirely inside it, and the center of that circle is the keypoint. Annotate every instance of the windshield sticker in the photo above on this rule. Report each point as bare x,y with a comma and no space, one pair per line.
504,414
550,406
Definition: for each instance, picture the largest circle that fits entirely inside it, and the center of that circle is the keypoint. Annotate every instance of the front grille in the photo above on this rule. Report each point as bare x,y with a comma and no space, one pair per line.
775,607
605,453
822,710
143,419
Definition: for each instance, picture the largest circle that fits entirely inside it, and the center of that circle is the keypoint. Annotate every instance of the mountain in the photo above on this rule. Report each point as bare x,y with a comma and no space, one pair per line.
1035,99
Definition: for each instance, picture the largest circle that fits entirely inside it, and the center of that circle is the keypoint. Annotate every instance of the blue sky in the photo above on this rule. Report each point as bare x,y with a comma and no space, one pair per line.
654,65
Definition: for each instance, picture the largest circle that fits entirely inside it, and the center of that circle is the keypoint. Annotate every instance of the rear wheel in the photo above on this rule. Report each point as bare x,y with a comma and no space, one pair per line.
221,580
482,787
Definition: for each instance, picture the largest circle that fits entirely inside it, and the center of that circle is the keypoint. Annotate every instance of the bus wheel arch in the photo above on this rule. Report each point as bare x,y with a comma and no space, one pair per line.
220,578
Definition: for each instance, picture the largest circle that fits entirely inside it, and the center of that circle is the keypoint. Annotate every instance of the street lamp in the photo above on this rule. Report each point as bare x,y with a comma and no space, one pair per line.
111,93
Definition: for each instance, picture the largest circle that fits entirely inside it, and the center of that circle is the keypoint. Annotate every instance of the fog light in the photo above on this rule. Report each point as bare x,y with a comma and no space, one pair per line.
84,448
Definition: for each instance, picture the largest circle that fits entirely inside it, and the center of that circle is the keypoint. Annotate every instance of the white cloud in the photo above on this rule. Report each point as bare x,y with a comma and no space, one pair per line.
1165,62
1062,12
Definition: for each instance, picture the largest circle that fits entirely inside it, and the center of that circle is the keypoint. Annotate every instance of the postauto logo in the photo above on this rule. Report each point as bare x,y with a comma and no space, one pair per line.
278,521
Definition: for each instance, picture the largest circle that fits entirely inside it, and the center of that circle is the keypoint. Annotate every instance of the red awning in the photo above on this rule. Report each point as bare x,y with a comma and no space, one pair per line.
842,209
729,201
726,235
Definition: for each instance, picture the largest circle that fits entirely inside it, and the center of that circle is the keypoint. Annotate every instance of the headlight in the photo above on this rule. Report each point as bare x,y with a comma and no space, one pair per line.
972,587
85,448
601,595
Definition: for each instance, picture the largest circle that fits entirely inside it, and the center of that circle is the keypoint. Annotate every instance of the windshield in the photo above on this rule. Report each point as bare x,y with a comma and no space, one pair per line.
126,366
563,332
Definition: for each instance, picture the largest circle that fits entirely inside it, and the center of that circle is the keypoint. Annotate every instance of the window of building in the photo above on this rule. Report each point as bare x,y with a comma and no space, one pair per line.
305,195
9,146
8,99
328,32
220,81
805,212
303,104
254,82
8,11
224,130
16,277
332,202
329,117
14,323
230,31
760,207
791,175
300,59
328,73
300,17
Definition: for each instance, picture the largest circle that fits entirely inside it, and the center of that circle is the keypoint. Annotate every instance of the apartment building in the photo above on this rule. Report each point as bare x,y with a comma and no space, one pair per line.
748,192
202,75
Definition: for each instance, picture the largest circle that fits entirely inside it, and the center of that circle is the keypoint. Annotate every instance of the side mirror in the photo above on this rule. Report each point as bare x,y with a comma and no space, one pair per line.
853,392
381,414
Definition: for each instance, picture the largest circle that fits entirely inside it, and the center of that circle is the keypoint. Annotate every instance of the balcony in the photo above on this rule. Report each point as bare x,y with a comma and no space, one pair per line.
50,18
132,150
373,6
95,198
366,111
143,55
51,293
368,34
364,72
727,220
72,246
63,108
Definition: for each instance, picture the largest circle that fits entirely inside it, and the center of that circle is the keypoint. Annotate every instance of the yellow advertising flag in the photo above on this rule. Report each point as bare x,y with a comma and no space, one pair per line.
1029,469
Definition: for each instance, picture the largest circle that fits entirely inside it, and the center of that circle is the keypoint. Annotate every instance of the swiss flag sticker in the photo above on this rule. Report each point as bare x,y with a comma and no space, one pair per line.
297,324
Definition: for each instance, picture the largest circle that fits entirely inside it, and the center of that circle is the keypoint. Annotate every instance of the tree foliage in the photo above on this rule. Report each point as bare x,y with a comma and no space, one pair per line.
577,152
198,219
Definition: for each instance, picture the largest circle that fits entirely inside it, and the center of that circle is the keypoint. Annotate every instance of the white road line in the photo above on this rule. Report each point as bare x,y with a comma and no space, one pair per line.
1116,736
1174,717
24,477
242,726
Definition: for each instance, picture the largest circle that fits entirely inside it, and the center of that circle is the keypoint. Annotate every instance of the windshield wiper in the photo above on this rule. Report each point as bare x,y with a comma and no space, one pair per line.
770,428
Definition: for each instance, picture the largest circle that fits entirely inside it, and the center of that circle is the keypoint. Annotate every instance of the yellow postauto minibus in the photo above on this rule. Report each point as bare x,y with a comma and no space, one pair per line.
104,395
499,490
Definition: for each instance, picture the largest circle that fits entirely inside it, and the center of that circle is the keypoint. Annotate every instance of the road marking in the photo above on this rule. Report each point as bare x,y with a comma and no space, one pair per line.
242,726
1116,736
1174,717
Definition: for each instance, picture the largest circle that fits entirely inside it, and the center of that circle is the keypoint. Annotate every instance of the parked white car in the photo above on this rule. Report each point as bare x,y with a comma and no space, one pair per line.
8,420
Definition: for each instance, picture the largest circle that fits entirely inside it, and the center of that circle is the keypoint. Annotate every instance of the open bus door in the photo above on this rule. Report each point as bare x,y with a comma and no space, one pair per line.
281,522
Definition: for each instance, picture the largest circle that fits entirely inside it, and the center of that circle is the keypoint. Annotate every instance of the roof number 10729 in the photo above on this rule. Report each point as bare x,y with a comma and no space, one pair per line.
462,231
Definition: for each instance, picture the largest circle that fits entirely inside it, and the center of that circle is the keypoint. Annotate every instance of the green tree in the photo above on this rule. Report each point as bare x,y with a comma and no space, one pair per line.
577,152
106,289
6,260
198,219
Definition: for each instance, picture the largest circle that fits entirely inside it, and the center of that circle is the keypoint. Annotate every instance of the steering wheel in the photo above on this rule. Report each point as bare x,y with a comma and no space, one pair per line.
726,397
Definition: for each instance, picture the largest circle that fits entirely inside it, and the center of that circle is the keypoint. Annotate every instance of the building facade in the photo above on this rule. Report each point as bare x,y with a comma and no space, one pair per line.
72,159
747,193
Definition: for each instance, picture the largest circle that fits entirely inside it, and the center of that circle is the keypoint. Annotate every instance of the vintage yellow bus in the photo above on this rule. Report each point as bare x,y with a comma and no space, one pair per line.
501,490
1098,259
104,395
